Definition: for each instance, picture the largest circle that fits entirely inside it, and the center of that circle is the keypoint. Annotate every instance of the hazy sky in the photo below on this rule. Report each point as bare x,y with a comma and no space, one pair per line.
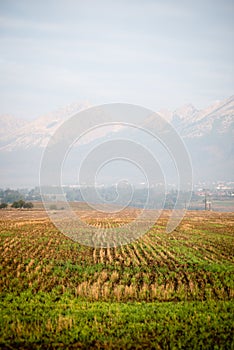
153,53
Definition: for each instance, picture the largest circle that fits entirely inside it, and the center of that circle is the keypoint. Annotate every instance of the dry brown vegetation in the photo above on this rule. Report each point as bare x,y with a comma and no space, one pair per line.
195,262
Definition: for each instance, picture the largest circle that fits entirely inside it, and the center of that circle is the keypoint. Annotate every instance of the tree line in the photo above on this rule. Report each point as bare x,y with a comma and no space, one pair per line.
14,199
17,204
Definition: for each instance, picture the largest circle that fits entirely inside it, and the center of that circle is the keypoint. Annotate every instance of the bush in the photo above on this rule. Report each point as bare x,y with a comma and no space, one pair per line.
22,204
18,204
28,205
3,205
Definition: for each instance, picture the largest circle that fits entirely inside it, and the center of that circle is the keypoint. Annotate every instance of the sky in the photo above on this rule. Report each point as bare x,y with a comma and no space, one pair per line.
157,54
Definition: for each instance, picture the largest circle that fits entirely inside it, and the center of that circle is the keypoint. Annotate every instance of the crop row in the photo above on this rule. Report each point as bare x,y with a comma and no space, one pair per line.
192,263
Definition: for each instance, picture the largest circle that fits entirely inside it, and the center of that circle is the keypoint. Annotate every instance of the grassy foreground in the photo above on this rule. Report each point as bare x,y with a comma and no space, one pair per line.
44,321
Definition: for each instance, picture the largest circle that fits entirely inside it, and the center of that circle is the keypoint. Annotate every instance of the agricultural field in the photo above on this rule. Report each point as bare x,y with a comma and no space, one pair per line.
164,291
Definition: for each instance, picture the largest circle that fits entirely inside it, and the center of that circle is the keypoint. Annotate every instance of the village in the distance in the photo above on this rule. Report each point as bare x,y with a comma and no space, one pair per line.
216,196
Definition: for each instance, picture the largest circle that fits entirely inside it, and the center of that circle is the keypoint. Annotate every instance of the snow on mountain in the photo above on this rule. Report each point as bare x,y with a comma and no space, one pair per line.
9,124
217,119
208,135
185,112
37,132
191,122
18,134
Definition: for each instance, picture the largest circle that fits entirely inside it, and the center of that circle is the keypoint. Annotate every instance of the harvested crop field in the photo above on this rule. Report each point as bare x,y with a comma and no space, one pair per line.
163,291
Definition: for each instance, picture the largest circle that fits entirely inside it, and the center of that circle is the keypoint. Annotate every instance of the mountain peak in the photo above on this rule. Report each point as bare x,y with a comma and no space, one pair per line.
22,134
9,124
208,135
186,111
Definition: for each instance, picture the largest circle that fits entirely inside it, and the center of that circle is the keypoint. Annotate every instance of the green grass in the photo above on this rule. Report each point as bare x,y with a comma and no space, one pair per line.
66,322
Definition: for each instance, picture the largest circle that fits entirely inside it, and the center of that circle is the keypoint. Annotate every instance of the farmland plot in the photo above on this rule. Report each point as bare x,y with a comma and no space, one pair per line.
142,295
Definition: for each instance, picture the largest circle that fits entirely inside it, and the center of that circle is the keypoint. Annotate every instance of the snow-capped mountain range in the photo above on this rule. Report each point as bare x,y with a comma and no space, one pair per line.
20,134
208,134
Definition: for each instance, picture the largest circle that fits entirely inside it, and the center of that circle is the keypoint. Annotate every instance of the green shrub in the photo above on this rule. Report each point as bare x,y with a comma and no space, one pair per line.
3,205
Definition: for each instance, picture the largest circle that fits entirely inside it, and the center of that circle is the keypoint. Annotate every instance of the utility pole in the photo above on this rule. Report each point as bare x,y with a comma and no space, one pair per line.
205,200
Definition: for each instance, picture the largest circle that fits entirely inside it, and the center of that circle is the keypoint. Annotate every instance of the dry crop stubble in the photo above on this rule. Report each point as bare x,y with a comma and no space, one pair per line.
185,263
193,265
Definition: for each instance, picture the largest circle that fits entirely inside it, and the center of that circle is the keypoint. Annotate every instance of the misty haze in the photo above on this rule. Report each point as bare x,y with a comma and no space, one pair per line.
117,174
